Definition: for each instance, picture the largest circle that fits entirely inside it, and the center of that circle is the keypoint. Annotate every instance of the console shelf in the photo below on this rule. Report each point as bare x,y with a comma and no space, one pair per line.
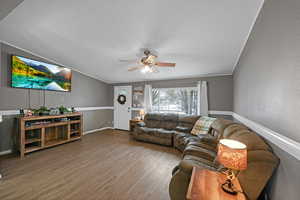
40,132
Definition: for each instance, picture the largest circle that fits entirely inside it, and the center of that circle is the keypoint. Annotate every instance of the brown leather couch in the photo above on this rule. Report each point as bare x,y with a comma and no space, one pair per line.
202,151
160,128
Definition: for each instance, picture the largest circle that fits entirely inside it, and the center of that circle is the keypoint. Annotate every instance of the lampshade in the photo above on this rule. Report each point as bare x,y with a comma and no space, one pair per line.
232,154
142,112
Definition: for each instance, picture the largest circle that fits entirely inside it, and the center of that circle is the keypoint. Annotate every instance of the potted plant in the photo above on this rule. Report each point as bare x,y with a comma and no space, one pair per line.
41,111
63,110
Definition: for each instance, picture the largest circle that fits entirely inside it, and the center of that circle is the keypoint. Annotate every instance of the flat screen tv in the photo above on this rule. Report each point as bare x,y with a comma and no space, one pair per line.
33,74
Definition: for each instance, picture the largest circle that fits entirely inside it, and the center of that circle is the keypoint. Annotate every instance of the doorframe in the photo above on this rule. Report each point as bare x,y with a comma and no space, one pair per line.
115,103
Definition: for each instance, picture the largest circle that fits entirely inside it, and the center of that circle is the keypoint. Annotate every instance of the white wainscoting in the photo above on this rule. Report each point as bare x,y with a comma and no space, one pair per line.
9,112
286,144
216,112
81,109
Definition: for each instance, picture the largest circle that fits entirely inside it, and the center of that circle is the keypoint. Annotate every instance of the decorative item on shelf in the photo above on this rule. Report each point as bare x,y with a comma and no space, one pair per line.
142,114
65,119
73,109
29,113
122,99
232,155
54,111
42,111
22,112
63,110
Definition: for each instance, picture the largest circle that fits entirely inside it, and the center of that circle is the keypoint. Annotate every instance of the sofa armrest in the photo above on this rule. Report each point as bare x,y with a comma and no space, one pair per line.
141,124
183,129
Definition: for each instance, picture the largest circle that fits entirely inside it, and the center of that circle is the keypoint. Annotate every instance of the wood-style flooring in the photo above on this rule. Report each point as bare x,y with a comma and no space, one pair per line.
106,165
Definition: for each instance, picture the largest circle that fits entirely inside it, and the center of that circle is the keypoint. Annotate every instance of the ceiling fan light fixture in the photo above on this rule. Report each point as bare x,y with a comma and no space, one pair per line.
146,69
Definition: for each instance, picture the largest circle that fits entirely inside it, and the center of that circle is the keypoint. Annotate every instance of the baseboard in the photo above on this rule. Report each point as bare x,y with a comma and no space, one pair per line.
216,112
2,153
95,130
286,144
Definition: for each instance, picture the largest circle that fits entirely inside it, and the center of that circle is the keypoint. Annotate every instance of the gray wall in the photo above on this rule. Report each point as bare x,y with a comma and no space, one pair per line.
220,89
267,85
86,92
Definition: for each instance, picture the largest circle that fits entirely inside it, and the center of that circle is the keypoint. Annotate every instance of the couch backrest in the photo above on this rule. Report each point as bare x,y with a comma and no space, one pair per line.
159,120
261,165
152,120
261,160
187,121
251,140
219,125
169,121
233,128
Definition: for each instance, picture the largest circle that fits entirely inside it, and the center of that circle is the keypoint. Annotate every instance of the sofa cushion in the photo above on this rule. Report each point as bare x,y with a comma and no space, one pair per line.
182,139
164,133
190,161
187,120
202,125
201,152
233,128
219,125
261,165
251,140
169,121
153,120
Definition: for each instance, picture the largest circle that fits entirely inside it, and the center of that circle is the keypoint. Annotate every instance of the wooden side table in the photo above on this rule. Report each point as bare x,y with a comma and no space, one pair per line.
132,123
206,185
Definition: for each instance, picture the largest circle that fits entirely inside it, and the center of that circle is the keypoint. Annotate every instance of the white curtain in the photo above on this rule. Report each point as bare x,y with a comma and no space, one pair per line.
202,98
148,98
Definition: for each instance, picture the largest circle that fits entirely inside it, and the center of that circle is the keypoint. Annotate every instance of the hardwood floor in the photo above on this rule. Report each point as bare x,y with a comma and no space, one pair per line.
105,166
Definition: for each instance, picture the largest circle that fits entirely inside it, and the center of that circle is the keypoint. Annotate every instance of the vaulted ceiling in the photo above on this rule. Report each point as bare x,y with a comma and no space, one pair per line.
204,37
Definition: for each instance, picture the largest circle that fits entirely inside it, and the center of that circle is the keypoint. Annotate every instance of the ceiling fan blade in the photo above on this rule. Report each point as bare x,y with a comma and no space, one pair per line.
135,68
129,60
163,64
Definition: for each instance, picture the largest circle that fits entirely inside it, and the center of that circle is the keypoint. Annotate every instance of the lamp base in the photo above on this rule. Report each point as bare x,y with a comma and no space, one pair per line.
229,188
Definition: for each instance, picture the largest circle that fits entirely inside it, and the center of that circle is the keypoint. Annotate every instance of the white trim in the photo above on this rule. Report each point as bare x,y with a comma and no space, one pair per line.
94,108
287,144
95,130
79,109
216,112
137,109
2,153
9,112
248,36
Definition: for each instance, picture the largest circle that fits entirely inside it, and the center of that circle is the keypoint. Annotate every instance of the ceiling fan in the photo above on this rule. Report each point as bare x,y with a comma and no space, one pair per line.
148,63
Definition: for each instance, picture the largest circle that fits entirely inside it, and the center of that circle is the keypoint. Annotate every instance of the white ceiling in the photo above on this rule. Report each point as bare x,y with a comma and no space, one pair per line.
204,37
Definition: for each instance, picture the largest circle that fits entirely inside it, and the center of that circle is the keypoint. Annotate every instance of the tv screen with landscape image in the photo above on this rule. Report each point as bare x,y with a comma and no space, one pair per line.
28,73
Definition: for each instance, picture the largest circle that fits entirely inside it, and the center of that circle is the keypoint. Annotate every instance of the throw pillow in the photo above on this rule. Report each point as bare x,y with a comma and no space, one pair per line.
202,125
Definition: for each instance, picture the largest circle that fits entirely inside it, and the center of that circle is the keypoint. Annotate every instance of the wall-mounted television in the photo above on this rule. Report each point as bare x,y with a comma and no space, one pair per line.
33,74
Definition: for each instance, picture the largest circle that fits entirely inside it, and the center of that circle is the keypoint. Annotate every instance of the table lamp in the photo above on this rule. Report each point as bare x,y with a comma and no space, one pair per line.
142,114
232,155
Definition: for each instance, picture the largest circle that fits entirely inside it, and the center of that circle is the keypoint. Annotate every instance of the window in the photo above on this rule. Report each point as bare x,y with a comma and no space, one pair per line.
175,100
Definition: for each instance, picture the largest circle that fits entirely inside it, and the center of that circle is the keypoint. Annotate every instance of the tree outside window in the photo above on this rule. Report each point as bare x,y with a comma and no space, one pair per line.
175,100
